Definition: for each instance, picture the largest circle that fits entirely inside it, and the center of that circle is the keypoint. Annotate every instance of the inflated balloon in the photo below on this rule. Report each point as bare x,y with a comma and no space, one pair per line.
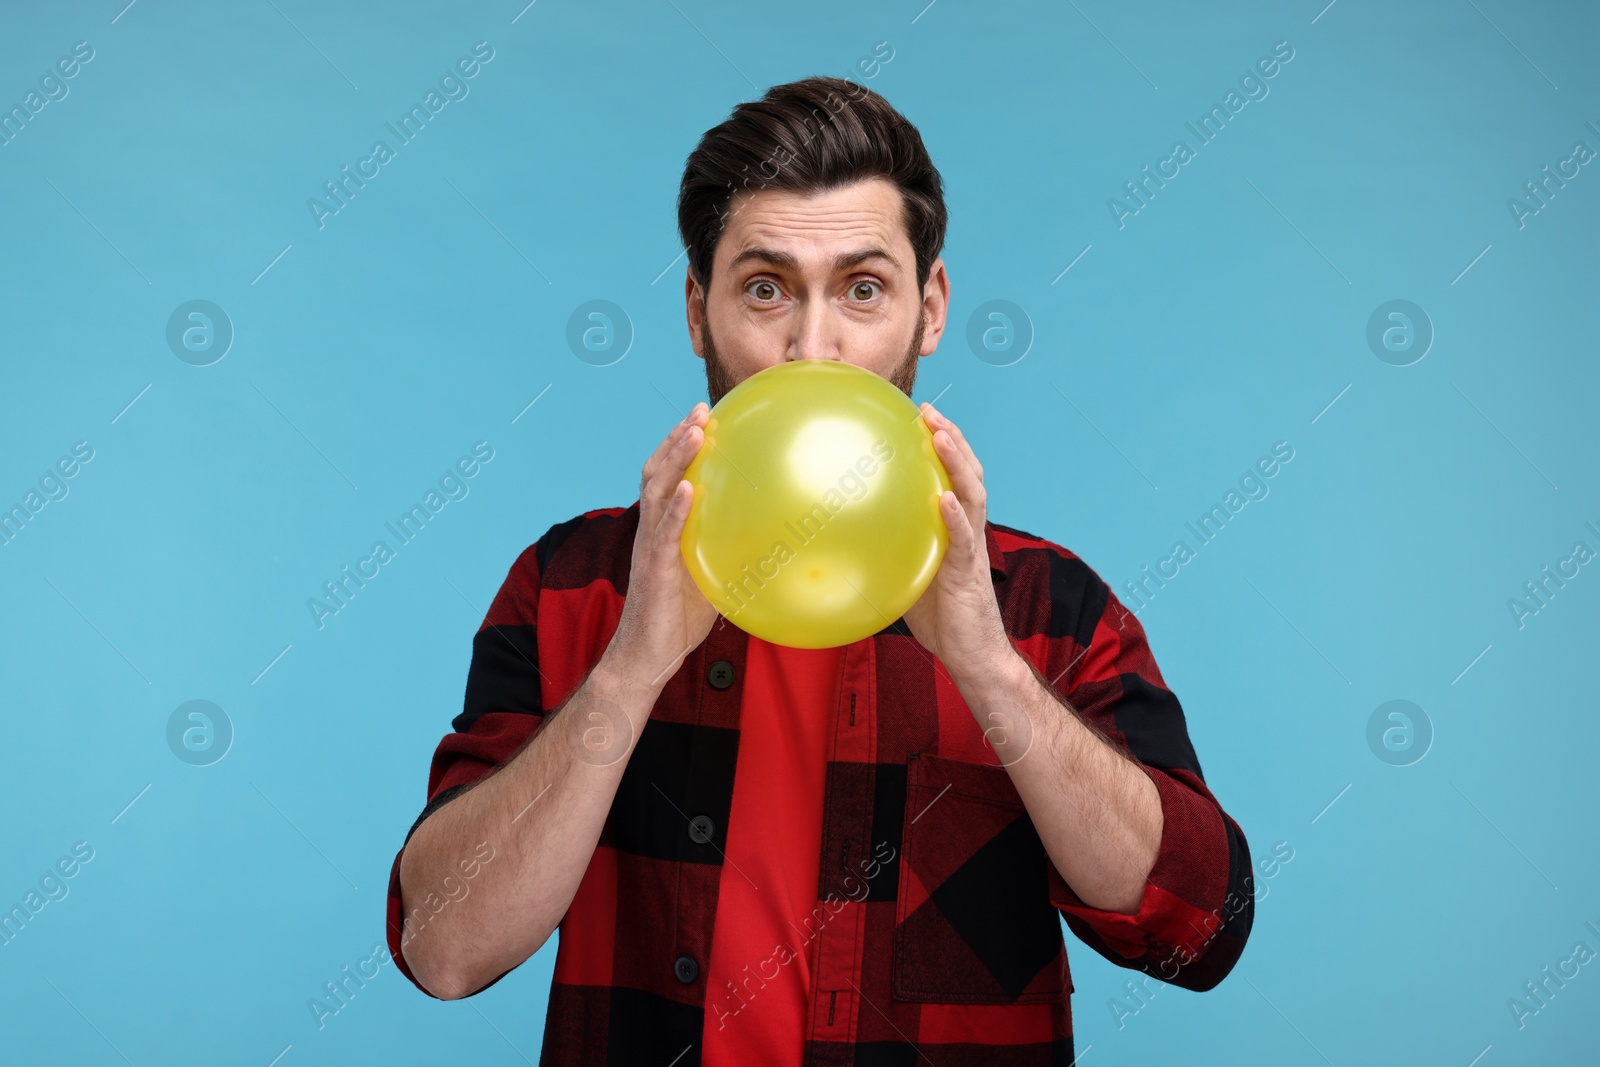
815,519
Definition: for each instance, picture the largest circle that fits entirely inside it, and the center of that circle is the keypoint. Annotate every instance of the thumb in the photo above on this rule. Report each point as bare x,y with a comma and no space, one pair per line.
955,521
676,515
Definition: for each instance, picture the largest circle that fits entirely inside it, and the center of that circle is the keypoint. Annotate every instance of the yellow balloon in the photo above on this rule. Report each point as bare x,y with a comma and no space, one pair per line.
815,520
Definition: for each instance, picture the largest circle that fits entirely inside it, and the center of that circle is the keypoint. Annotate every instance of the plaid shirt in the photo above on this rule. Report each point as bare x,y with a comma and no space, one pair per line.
937,925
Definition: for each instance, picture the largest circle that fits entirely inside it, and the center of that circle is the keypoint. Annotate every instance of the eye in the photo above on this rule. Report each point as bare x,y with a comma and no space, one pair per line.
762,290
864,290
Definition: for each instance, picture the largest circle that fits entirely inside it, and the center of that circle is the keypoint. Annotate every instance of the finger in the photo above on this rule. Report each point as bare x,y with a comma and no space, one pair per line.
662,448
657,497
680,452
969,490
964,477
959,525
669,531
961,441
696,416
937,420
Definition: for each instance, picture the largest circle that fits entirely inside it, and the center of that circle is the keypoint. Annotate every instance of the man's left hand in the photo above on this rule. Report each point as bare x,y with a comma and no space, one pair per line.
957,618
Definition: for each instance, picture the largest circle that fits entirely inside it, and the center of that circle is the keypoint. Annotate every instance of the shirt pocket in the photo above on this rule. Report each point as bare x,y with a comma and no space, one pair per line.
973,923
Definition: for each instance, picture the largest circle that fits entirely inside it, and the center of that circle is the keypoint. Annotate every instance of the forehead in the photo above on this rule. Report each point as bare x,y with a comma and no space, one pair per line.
868,213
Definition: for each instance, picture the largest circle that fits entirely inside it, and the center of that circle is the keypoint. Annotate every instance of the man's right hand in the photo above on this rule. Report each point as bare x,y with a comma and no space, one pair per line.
665,616
518,902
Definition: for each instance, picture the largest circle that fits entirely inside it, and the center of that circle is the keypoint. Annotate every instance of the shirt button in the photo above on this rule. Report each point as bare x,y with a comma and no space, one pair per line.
721,674
686,969
701,829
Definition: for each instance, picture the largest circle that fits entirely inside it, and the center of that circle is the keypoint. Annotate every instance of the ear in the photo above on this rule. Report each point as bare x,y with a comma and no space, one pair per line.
694,310
935,306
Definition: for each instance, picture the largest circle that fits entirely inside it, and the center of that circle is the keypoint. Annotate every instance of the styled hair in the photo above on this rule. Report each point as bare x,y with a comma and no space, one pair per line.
809,136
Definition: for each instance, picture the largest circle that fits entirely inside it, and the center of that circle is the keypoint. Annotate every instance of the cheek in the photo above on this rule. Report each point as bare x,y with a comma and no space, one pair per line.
883,343
749,337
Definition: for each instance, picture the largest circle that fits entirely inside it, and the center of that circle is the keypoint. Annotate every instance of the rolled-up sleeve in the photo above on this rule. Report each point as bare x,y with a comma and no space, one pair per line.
502,708
1198,904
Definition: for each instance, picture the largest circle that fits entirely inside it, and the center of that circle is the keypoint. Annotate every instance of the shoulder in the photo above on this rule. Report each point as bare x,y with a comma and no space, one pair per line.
592,546
1047,588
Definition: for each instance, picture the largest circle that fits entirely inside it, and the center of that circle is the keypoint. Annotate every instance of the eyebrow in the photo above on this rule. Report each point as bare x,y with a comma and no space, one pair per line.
785,261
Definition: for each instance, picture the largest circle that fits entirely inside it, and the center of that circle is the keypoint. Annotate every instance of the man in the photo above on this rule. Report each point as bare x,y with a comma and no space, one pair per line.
757,854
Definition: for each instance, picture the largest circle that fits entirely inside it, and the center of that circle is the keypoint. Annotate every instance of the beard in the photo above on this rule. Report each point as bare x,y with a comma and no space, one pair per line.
719,380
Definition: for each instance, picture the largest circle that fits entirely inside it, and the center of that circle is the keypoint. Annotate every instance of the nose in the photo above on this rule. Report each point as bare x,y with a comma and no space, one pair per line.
816,332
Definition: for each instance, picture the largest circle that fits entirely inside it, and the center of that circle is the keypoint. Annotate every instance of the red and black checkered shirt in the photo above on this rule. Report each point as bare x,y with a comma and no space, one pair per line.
958,933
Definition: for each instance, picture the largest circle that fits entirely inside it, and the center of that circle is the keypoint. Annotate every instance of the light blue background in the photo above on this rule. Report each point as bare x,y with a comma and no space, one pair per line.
1224,316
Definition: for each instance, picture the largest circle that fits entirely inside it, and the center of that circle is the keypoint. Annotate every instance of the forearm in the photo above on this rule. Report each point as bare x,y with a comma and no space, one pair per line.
542,814
1098,815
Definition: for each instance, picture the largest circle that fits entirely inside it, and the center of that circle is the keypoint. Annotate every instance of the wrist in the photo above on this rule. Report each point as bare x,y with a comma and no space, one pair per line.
1003,671
617,682
1003,698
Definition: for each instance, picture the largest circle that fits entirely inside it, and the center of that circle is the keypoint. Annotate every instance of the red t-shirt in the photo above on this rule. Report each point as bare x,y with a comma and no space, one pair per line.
759,982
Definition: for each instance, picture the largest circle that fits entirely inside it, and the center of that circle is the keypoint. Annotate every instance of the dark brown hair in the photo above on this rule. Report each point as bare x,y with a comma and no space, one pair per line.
809,136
